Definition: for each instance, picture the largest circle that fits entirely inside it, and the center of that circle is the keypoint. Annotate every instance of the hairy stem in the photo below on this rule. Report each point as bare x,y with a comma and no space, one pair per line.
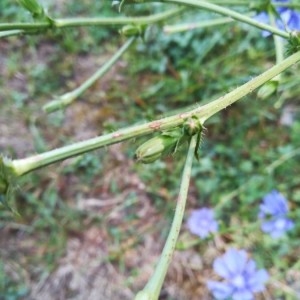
190,26
223,11
153,287
76,22
224,101
204,112
227,2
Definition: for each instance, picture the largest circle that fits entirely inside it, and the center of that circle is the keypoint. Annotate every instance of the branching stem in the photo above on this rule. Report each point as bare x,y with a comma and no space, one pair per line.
101,21
153,287
66,99
28,164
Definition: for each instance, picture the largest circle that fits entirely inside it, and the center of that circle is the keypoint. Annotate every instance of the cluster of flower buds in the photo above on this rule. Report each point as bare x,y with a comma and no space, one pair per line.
168,141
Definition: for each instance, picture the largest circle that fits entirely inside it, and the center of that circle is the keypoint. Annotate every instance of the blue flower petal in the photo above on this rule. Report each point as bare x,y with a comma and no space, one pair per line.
242,279
268,226
231,263
274,203
277,227
289,224
257,282
245,295
220,290
235,260
201,222
220,268
288,18
294,22
250,268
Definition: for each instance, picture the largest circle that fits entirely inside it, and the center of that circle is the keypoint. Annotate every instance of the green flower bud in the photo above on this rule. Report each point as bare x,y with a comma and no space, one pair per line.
131,30
155,148
268,89
192,126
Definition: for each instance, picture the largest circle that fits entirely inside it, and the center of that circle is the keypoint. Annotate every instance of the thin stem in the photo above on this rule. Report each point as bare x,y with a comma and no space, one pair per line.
285,4
229,13
278,284
75,22
24,26
226,2
28,164
191,26
153,287
278,42
68,98
278,48
267,171
11,33
72,22
275,164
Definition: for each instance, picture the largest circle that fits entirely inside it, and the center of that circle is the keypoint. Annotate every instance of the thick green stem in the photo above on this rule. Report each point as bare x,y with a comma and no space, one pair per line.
75,22
69,98
26,165
153,287
225,101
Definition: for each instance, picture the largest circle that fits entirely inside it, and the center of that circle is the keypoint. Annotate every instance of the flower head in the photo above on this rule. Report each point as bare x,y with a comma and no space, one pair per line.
202,222
289,18
272,212
241,277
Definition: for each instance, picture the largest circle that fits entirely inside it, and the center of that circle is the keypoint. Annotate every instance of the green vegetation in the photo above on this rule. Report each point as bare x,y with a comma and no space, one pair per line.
108,203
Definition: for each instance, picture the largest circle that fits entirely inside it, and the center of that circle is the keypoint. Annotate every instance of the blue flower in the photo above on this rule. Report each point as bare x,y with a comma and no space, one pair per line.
241,277
289,19
202,222
273,212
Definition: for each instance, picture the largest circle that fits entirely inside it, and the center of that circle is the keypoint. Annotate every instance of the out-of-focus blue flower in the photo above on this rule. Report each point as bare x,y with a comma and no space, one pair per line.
289,18
272,212
241,277
202,222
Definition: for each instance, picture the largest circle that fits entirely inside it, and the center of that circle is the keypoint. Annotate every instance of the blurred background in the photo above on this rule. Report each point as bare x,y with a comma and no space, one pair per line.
92,227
